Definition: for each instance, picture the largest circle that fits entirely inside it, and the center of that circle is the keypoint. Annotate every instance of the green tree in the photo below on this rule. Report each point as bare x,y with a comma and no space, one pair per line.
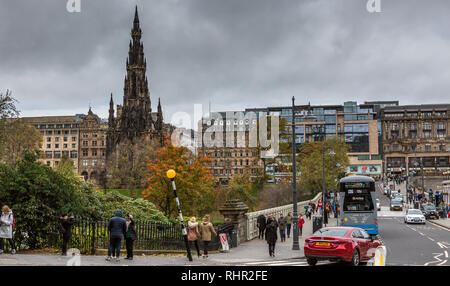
66,168
37,195
310,164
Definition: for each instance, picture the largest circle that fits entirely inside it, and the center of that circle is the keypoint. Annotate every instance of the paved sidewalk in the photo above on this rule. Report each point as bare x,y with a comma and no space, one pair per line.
444,222
250,251
257,249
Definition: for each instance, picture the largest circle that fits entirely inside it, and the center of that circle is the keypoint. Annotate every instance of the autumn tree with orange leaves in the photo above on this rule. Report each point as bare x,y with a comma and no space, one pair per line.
195,184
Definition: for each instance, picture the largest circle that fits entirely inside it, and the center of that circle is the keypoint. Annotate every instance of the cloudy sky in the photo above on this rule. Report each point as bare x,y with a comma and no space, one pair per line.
236,53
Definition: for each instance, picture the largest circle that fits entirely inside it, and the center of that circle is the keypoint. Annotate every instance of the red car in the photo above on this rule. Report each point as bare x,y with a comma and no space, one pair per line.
350,244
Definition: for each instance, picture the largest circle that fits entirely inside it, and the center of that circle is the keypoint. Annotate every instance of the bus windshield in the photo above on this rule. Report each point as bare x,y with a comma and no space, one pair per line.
358,200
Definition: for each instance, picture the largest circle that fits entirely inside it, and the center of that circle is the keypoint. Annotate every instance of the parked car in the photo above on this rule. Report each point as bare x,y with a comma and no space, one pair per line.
429,211
378,205
350,244
414,216
396,205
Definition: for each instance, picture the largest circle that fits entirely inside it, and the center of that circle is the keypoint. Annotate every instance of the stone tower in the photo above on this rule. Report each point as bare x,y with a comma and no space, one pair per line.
134,118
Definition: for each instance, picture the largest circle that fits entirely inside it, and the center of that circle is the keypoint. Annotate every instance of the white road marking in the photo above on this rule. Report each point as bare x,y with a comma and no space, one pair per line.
431,239
443,262
289,263
264,262
436,257
441,245
446,254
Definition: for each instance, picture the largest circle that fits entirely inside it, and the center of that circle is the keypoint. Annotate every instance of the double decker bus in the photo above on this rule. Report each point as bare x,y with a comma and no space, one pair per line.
358,203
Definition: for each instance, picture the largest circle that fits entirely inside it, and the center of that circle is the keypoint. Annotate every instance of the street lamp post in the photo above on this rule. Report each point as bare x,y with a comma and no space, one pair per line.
171,175
295,244
323,179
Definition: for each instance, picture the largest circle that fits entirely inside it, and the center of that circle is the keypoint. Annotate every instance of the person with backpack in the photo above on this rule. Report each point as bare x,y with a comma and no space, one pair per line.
65,225
117,228
7,223
130,236
271,235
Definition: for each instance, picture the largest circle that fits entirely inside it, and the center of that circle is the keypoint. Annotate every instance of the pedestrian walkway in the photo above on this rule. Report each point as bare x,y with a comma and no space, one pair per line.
257,249
444,222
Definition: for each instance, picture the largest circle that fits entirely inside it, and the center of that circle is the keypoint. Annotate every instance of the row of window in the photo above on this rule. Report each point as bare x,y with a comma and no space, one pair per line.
416,114
93,163
230,172
220,154
417,162
413,148
65,139
60,154
93,143
57,126
94,152
228,163
64,146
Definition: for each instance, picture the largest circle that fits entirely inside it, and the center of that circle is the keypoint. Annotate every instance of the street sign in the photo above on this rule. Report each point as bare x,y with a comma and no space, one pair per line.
224,241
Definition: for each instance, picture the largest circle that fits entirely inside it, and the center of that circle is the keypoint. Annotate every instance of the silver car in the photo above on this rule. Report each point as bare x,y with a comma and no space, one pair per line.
414,216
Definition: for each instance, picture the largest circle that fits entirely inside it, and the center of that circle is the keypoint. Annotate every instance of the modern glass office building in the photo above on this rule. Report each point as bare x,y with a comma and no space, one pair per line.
355,124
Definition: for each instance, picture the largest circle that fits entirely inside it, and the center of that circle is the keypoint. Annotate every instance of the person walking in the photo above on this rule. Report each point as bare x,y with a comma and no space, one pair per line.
261,224
7,223
193,234
65,225
130,236
271,235
282,221
206,231
117,228
301,222
288,224
319,207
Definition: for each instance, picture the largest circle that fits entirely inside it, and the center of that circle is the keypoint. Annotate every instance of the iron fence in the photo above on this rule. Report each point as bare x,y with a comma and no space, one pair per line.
89,236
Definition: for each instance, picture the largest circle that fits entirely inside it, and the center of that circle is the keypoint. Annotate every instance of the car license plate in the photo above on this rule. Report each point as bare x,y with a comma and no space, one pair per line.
323,243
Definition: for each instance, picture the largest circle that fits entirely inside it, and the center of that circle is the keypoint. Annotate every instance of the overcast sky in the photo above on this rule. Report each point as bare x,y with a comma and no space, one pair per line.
235,53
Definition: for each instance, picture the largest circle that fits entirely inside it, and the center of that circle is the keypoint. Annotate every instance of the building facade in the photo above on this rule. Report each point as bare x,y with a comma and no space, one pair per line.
355,124
416,137
60,136
81,138
226,140
92,153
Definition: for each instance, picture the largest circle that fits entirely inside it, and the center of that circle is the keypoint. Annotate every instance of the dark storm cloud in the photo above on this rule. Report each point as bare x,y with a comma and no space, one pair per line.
236,53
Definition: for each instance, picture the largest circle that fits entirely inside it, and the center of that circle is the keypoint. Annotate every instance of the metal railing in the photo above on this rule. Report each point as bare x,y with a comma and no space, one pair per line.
89,236
252,229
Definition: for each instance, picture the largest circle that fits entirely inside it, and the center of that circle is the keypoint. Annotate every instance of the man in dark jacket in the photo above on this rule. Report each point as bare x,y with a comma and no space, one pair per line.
66,230
271,234
117,228
261,224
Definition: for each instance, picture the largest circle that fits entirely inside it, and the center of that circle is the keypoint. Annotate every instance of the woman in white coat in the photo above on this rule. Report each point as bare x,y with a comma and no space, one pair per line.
6,225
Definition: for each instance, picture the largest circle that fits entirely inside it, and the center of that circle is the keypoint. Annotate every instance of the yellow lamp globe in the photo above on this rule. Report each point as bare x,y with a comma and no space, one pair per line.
171,174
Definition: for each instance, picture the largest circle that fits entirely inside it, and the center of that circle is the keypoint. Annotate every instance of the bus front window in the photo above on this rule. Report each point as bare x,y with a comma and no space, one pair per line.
358,201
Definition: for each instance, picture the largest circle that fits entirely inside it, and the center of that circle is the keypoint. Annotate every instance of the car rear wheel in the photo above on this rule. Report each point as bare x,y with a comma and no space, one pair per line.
355,258
311,261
